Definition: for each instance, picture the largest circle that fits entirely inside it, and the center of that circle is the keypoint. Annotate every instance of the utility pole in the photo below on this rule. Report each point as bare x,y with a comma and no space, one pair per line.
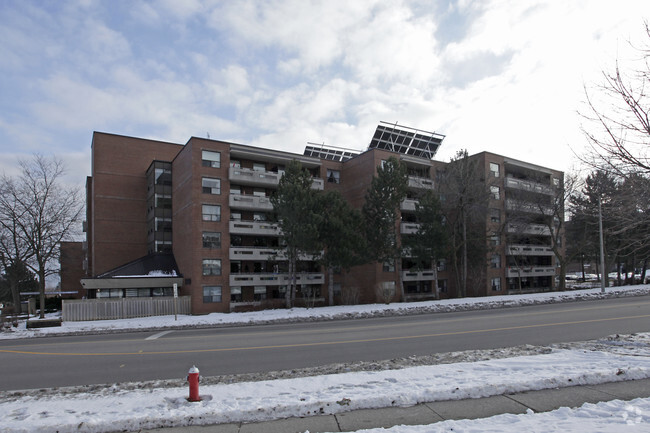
603,271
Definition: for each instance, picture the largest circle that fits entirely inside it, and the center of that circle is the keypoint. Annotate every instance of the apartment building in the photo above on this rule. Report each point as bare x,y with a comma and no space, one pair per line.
196,217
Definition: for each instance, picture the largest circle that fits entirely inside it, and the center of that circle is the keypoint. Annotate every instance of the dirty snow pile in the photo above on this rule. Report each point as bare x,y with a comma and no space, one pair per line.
325,313
118,409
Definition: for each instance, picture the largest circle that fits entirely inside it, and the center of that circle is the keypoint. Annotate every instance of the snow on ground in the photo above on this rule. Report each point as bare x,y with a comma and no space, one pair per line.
115,408
609,417
325,313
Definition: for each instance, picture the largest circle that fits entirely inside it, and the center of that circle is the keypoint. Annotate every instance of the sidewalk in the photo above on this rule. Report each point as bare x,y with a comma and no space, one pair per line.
429,413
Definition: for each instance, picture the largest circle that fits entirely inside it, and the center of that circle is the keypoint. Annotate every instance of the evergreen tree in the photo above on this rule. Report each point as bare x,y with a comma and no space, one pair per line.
429,243
295,208
341,236
381,212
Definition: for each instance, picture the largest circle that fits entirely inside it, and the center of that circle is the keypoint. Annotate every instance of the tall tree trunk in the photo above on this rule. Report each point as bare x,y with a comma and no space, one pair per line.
330,285
464,277
41,284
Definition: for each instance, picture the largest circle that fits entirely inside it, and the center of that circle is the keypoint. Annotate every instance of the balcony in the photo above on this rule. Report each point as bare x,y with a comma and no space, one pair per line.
529,250
409,228
526,185
250,202
408,205
416,182
528,229
530,207
530,271
246,176
271,279
424,275
254,253
263,254
262,228
269,179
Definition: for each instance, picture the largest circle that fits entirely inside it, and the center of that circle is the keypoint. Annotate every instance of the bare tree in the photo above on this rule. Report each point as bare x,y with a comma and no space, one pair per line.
549,206
617,119
38,214
466,198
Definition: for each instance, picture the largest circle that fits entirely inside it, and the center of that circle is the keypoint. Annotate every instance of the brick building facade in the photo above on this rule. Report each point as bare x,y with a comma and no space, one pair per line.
208,202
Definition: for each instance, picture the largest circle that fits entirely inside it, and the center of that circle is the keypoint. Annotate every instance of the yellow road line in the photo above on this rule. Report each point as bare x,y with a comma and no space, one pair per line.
324,343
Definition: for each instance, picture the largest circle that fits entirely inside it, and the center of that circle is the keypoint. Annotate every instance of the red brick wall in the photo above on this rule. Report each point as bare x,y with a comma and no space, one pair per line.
118,229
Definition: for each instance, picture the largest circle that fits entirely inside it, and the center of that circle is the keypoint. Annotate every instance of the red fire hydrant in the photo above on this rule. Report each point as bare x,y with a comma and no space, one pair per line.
193,379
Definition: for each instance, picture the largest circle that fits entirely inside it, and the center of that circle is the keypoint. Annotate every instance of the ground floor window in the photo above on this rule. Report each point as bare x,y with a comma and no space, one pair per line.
235,294
259,293
279,292
496,284
211,294
415,287
109,293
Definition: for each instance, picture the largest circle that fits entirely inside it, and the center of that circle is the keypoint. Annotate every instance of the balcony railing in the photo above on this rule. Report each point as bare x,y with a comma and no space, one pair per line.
527,185
271,279
250,202
263,254
528,229
254,228
420,182
424,275
523,206
253,253
246,176
408,205
530,271
409,228
529,250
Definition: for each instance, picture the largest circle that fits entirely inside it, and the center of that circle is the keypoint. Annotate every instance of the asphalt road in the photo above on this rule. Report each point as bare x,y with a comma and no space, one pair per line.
140,356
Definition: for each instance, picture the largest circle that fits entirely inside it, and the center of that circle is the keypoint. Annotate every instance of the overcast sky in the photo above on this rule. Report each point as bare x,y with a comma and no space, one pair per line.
501,76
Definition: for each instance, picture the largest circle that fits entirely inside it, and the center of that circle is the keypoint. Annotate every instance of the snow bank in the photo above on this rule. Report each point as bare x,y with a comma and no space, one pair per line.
325,313
119,409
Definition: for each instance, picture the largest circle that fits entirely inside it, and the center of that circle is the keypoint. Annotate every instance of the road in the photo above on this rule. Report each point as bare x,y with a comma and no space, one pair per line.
140,356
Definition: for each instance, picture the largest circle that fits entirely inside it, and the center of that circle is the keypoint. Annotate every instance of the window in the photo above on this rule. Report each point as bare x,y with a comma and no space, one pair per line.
494,169
211,267
442,286
211,240
259,293
235,216
163,201
259,166
211,186
333,176
495,215
259,192
210,159
556,182
211,294
211,212
496,284
235,189
442,265
389,267
495,192
495,240
495,261
259,216
235,163
235,294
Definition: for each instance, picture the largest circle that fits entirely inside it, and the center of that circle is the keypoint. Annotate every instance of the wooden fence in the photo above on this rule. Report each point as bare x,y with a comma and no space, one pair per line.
123,308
